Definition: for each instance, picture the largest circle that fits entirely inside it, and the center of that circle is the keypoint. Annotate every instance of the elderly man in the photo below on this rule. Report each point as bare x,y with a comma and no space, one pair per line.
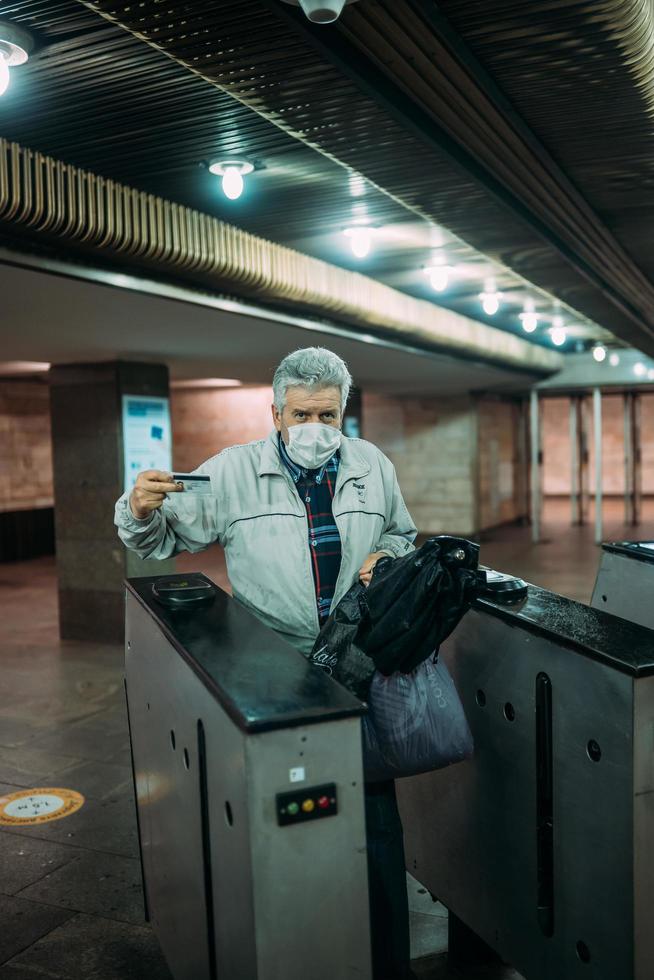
301,515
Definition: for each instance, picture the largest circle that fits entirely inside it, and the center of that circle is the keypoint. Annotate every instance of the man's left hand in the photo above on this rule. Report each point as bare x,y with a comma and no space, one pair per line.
365,572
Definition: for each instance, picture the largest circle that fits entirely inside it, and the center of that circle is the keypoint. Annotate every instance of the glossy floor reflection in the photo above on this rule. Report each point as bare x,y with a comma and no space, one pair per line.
70,894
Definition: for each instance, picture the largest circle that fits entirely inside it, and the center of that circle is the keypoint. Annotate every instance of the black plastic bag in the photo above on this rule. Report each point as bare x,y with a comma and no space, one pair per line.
411,605
415,602
335,649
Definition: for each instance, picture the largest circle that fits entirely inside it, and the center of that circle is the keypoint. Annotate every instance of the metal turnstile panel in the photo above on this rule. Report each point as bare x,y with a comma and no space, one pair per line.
624,587
163,705
471,830
323,909
625,583
644,826
231,892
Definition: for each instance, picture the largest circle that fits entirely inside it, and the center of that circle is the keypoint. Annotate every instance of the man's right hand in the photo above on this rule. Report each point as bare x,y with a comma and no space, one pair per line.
150,492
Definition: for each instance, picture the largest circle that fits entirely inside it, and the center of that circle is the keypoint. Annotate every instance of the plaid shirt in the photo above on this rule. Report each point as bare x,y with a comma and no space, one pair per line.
316,490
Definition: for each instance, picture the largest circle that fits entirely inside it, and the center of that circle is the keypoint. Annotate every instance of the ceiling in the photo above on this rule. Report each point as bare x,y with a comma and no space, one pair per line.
581,76
395,92
314,107
203,337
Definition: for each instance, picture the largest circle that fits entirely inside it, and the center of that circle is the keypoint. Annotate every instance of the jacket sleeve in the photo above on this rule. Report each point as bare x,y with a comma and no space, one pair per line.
399,531
183,523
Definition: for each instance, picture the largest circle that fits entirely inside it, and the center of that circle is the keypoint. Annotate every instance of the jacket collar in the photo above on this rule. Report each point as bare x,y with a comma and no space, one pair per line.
270,462
353,463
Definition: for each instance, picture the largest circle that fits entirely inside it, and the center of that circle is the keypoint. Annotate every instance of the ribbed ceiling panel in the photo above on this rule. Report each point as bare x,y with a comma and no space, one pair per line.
581,75
96,96
460,170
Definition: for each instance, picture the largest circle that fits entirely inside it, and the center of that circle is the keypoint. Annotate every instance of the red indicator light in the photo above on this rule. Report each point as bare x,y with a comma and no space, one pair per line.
323,802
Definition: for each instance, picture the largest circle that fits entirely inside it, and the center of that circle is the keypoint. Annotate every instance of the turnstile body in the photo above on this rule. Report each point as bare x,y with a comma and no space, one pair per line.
233,732
625,581
543,843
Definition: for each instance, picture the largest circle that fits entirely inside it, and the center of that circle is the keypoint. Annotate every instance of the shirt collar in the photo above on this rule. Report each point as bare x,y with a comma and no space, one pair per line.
298,472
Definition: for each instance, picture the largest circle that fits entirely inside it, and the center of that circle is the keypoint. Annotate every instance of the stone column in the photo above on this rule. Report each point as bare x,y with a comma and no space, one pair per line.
87,439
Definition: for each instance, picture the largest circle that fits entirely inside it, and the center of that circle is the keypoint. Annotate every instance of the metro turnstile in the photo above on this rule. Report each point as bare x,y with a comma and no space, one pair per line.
543,843
625,581
248,776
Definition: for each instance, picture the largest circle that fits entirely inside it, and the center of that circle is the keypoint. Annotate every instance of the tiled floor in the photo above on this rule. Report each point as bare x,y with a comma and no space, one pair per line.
70,892
70,896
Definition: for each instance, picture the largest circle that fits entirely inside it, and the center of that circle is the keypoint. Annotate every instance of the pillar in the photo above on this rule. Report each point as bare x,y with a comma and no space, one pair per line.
632,458
597,428
576,461
89,476
536,465
522,462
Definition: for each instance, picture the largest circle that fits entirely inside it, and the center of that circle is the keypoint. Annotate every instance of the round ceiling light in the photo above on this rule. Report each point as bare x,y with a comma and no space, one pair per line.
232,173
15,47
529,317
490,298
439,277
321,11
360,239
439,272
558,332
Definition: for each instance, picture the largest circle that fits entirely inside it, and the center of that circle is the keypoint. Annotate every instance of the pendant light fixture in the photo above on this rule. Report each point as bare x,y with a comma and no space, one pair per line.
490,298
232,173
558,332
321,11
15,47
529,317
439,273
360,239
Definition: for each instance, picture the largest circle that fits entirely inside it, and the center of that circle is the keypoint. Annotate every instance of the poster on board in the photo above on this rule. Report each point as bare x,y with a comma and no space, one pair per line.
147,438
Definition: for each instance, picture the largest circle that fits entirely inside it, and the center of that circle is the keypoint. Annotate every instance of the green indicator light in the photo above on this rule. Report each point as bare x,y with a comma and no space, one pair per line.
293,808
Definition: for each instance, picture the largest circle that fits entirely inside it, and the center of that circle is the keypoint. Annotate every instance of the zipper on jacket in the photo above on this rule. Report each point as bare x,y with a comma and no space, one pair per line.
292,489
312,580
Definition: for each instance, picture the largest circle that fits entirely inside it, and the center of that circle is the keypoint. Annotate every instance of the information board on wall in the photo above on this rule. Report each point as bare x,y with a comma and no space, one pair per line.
147,437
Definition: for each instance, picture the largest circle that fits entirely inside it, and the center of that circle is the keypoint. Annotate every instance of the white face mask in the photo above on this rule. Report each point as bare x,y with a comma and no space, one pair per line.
311,444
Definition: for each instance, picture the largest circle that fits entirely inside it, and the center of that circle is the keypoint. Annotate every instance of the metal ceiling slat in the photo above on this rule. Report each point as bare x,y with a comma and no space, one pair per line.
292,84
494,143
597,84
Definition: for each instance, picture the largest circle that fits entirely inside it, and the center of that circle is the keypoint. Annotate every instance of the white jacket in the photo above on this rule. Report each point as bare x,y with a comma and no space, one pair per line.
256,513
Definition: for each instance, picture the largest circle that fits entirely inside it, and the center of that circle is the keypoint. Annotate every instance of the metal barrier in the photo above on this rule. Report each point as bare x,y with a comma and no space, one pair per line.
248,774
625,581
543,844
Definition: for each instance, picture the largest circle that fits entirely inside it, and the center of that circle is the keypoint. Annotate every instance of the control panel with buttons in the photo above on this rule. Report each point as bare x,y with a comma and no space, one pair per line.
311,803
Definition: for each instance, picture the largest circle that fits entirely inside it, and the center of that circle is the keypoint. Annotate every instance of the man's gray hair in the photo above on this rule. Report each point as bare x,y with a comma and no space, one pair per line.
313,368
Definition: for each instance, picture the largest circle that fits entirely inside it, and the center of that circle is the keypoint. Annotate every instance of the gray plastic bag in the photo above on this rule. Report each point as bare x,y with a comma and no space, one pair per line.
415,723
